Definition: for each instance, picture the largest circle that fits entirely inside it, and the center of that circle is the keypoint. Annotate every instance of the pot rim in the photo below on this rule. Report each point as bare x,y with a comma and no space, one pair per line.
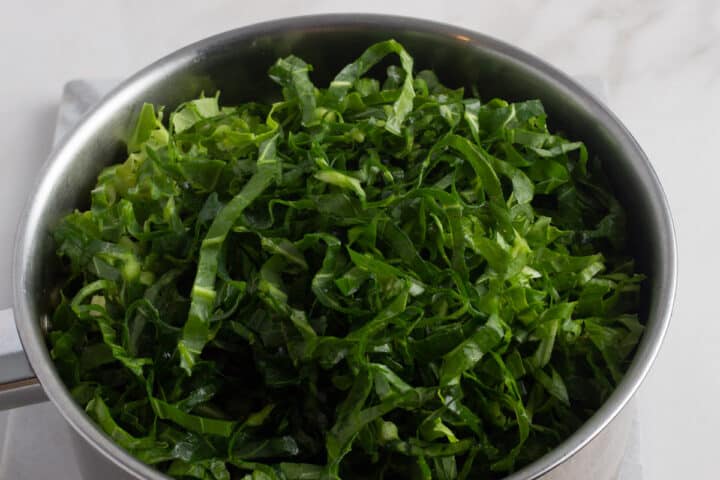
33,339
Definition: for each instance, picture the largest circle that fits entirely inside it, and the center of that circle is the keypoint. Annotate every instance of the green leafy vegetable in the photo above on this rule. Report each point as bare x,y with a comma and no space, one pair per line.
383,278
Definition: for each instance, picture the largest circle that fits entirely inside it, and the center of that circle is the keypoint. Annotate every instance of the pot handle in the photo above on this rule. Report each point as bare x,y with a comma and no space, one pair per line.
18,384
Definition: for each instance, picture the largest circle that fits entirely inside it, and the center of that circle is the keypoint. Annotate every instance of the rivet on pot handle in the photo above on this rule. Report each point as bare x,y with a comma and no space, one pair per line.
18,385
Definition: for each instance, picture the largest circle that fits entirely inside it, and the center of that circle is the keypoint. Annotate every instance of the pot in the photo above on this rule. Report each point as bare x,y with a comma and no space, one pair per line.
236,63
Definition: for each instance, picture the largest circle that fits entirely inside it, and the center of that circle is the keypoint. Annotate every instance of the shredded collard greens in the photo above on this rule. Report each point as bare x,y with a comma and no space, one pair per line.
377,279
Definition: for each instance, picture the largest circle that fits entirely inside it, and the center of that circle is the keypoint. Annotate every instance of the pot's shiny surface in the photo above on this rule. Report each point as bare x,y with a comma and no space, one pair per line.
236,63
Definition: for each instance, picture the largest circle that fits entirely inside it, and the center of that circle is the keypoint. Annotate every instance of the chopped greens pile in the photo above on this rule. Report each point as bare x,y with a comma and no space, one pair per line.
383,278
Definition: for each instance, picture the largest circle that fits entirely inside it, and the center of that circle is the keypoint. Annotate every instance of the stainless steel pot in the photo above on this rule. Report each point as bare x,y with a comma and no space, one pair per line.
236,62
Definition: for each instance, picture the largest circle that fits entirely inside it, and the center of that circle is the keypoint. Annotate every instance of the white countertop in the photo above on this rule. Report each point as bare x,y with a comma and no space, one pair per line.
661,60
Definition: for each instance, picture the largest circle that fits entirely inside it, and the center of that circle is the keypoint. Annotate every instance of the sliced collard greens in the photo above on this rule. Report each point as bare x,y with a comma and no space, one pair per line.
381,278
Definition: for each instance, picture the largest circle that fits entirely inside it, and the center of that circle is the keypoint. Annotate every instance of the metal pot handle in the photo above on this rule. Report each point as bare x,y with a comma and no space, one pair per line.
18,384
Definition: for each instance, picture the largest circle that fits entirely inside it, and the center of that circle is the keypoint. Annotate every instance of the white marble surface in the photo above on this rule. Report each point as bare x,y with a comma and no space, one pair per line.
661,59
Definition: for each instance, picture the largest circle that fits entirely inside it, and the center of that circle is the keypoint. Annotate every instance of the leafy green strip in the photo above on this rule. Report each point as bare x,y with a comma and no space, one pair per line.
196,332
